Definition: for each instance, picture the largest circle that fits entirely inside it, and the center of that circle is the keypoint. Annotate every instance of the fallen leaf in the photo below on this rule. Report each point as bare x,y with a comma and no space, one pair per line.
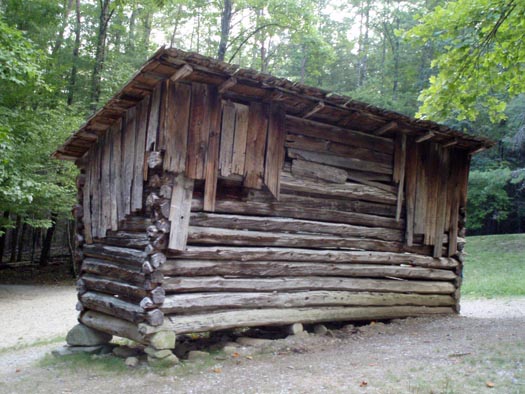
235,355
249,357
17,370
363,383
490,384
217,370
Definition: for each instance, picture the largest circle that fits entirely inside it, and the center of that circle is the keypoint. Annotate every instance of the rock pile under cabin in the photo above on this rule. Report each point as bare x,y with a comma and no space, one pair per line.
212,197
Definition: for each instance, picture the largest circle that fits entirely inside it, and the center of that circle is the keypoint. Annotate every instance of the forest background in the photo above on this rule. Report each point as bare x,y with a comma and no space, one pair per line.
461,63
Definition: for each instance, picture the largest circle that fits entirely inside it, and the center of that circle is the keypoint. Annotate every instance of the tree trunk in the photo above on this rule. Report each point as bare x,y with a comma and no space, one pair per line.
21,242
175,26
148,20
226,18
76,49
100,55
3,237
14,238
131,31
60,35
46,247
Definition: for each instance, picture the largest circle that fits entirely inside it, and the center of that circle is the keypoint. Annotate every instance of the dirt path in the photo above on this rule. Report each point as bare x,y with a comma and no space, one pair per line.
453,354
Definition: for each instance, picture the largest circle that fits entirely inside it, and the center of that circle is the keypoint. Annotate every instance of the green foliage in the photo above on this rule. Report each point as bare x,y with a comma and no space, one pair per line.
487,198
494,266
482,60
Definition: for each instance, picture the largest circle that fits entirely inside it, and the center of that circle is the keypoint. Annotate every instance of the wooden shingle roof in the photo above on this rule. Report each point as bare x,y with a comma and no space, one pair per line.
248,85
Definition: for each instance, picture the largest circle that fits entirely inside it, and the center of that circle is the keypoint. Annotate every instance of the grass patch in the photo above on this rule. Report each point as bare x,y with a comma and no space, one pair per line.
495,266
86,362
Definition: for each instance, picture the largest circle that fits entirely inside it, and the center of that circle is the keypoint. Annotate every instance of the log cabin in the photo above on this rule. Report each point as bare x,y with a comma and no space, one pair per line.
212,197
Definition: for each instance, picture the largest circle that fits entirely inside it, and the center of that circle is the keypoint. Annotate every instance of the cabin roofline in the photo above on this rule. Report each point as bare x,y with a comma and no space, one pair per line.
237,83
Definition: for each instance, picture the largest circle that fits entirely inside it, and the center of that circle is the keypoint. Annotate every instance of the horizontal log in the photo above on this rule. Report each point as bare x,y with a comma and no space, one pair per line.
113,306
315,171
114,287
199,302
297,211
258,223
126,239
273,316
352,191
135,224
349,163
116,254
338,134
120,272
217,283
376,209
312,255
279,268
219,236
112,325
302,142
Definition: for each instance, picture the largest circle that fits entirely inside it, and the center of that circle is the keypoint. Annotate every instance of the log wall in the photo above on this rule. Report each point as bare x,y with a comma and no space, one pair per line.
203,213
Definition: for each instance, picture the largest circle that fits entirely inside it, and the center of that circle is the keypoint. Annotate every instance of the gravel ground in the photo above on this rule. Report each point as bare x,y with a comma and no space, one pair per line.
35,313
483,350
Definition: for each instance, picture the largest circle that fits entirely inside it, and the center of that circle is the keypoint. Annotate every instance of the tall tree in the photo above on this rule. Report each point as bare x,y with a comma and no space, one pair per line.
100,52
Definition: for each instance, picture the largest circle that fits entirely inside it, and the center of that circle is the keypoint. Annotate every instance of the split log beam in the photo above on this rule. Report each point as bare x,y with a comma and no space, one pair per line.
290,183
259,269
315,171
258,223
300,212
217,283
179,213
198,302
320,145
264,317
338,134
340,161
314,255
218,236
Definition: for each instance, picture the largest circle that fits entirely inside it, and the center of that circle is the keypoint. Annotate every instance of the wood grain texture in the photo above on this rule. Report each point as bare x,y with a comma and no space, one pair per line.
338,134
211,171
199,302
312,255
128,156
289,225
140,147
199,129
153,119
217,283
275,151
258,117
322,145
298,211
241,135
179,214
340,161
261,269
315,171
263,317
178,124
227,138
